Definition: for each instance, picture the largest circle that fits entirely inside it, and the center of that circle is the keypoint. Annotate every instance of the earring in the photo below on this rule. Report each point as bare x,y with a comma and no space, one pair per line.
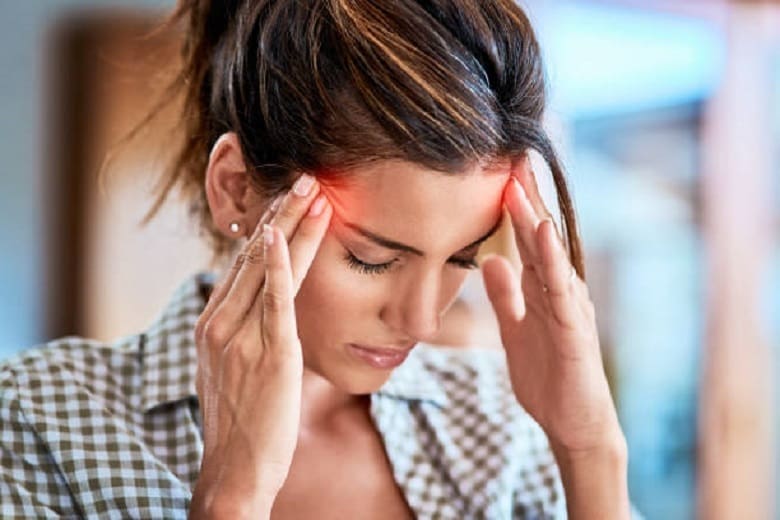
235,227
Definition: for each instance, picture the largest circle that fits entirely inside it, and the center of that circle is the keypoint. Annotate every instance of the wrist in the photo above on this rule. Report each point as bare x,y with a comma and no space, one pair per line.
595,480
227,506
611,448
231,507
218,499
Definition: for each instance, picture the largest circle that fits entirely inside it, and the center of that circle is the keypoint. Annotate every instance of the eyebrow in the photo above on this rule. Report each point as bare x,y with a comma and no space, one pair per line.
398,246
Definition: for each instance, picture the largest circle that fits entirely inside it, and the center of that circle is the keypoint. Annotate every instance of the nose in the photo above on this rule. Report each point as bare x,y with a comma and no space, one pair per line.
415,311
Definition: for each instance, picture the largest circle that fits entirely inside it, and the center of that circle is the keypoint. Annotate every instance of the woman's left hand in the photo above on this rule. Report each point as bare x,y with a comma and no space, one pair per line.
548,329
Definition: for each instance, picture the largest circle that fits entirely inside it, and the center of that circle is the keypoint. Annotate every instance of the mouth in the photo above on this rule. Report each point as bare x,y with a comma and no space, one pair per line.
381,357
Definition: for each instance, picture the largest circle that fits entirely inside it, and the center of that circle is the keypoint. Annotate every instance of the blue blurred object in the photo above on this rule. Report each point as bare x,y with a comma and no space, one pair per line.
627,85
603,59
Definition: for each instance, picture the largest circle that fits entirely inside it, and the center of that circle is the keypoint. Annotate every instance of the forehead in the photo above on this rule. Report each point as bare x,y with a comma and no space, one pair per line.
420,207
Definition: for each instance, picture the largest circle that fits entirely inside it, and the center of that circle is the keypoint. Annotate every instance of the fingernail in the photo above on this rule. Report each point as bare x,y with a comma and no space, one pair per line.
276,202
317,206
268,235
303,185
513,200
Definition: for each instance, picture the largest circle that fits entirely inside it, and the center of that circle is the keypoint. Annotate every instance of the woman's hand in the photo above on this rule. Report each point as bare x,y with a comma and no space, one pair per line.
548,329
250,363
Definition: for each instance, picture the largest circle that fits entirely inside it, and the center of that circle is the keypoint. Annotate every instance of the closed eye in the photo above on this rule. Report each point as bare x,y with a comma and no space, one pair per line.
367,268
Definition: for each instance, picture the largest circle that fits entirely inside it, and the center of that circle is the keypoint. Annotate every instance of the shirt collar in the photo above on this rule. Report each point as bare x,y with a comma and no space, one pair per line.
169,354
413,380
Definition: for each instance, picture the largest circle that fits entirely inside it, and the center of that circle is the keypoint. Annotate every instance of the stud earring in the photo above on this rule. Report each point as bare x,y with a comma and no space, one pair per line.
235,227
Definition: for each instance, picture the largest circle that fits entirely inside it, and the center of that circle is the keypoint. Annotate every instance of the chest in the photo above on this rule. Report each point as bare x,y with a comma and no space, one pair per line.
337,477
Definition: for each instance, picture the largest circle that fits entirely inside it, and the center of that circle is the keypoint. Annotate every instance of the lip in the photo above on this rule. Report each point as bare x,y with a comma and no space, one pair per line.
380,357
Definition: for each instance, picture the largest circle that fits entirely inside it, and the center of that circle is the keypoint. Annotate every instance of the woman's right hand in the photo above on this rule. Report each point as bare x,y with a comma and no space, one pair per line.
250,363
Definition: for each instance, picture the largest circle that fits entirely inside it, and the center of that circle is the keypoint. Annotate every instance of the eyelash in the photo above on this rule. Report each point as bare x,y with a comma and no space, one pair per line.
365,268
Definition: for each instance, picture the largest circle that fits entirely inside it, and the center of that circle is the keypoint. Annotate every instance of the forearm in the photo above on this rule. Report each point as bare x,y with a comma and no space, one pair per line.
596,482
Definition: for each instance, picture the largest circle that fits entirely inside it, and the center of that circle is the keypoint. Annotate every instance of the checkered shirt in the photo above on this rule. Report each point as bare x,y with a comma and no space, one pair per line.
97,430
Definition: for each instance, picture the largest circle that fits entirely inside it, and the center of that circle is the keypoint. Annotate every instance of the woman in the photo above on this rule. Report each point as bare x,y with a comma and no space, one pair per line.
300,385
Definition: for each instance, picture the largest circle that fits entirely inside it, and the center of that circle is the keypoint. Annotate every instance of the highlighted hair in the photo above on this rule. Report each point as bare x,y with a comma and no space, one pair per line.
326,85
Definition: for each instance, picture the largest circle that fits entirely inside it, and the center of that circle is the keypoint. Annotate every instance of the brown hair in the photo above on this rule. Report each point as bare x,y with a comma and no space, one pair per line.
324,85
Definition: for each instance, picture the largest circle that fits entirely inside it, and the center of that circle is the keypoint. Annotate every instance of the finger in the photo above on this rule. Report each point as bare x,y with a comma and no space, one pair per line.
290,209
503,289
280,334
231,300
295,205
303,249
248,273
527,178
251,271
534,295
557,275
294,211
525,222
222,288
307,239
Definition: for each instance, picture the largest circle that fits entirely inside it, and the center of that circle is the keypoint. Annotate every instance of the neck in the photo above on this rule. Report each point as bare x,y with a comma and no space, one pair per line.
323,406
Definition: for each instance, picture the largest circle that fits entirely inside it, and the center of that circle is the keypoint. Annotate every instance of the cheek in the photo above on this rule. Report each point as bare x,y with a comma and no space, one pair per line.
332,288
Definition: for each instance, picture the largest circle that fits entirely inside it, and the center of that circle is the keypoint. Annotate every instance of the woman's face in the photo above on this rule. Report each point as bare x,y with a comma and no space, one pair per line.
435,218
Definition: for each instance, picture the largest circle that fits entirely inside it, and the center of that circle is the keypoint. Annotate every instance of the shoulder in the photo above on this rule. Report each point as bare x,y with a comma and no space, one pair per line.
51,400
70,350
67,390
81,413
138,371
55,371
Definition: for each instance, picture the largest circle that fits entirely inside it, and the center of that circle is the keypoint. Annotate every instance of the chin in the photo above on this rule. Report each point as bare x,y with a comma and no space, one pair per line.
350,375
358,381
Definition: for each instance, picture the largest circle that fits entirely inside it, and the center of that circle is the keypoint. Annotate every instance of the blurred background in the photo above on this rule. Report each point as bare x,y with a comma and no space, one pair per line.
667,116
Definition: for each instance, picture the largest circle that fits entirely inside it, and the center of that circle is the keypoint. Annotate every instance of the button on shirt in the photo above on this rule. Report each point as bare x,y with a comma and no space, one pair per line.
113,430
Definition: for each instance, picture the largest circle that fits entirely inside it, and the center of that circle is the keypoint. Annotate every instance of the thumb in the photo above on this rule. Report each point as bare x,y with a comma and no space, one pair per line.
503,289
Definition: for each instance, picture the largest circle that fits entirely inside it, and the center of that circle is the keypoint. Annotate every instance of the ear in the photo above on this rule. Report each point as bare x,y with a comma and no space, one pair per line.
230,195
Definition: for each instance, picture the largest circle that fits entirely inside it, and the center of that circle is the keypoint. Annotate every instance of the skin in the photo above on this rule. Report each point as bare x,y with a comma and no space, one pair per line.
276,328
337,304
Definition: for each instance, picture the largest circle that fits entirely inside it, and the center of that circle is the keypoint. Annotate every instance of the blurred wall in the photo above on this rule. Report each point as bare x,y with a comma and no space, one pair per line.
23,30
